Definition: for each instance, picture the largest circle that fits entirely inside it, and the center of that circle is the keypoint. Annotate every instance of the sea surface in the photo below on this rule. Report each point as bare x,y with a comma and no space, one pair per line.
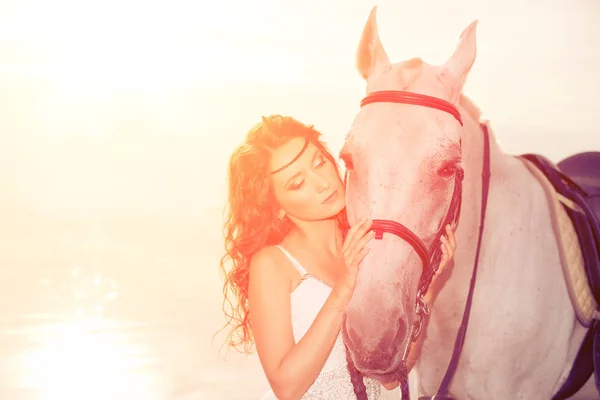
116,309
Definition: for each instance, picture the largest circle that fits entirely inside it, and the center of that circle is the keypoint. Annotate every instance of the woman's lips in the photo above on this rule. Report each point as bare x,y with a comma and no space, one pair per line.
331,197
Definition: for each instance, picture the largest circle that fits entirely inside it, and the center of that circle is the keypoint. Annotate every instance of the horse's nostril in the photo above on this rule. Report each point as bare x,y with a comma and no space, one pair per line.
398,337
401,333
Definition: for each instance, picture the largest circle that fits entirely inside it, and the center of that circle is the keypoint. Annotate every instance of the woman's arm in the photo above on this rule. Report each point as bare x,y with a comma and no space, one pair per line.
290,368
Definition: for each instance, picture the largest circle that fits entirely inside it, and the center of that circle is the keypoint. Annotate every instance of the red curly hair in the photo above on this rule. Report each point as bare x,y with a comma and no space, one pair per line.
251,214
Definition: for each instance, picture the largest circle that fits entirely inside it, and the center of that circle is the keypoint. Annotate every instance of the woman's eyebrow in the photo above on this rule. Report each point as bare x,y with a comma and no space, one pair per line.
315,154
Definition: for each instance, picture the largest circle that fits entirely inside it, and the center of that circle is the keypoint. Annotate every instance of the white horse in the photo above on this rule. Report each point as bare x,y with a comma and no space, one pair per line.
402,160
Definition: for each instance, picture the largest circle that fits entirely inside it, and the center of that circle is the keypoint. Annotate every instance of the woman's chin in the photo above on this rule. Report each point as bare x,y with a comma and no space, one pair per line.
335,208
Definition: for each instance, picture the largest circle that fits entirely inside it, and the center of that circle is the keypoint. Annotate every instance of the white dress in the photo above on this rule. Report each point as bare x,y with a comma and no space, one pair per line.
333,383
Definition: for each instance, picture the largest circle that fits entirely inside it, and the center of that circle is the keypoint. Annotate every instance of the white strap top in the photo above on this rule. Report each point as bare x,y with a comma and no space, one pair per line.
294,262
307,299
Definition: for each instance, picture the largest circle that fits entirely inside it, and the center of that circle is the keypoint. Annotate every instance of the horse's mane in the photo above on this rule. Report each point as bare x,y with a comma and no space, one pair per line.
470,107
475,113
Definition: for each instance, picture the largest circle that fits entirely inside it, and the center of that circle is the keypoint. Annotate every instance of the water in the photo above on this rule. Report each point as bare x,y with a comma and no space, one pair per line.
101,311
103,359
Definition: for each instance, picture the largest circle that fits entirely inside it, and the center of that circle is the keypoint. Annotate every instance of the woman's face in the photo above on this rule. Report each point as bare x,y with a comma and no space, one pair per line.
309,188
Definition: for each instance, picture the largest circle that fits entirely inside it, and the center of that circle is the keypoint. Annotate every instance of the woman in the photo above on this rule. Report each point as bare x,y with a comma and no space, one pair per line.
294,260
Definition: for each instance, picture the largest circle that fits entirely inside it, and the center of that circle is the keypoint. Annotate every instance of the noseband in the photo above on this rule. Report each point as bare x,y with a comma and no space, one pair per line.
430,257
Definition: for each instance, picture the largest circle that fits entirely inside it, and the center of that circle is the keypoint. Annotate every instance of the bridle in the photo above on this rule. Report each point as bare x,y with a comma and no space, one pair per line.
430,257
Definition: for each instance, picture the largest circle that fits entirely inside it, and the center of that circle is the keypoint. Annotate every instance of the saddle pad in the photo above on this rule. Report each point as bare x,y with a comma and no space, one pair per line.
571,258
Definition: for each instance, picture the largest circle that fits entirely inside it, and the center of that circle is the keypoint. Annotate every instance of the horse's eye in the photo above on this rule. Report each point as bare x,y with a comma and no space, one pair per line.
448,170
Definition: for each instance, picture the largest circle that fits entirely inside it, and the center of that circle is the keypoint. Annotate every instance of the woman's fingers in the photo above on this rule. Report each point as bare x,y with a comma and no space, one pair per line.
445,257
448,246
353,263
443,263
359,257
360,245
363,241
350,234
451,237
363,229
356,232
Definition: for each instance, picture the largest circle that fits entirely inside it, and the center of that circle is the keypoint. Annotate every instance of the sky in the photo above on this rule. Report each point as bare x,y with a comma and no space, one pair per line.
129,110
130,106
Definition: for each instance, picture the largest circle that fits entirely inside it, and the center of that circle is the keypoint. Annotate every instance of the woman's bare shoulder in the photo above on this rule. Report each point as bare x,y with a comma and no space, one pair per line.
268,264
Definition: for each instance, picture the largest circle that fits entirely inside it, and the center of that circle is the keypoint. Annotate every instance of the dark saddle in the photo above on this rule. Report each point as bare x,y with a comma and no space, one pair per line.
578,179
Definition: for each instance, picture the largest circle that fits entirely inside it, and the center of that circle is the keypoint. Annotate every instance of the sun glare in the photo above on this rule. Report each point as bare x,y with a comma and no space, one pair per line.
139,46
112,44
80,360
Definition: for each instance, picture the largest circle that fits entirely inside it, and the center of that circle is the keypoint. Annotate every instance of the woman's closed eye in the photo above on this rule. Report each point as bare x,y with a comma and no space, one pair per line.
320,161
296,185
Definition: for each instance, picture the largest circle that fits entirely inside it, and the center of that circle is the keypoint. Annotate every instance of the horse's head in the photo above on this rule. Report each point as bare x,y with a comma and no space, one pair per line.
404,166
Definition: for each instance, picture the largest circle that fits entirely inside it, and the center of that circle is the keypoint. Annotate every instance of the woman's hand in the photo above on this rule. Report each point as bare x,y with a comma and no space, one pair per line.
448,248
354,251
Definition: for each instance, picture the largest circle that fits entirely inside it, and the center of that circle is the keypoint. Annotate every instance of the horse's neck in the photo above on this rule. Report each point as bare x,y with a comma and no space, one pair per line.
504,185
518,257
452,298
519,286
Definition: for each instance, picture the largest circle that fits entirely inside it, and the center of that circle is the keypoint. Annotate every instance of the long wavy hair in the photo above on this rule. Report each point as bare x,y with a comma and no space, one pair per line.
251,215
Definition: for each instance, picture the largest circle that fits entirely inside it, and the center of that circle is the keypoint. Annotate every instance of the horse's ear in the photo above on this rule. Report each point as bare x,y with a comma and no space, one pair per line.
456,69
371,57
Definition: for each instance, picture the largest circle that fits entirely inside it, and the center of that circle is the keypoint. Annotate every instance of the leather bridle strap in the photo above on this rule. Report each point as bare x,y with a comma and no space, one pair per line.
452,217
417,99
381,226
462,330
429,257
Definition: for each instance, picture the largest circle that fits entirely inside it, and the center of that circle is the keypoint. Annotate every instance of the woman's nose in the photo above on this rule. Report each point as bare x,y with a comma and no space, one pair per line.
322,183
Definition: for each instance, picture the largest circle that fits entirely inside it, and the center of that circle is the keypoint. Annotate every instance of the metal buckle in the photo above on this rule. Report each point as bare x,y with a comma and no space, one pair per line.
421,311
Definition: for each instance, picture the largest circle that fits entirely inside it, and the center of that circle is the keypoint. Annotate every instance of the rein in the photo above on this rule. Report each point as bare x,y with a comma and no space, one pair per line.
429,257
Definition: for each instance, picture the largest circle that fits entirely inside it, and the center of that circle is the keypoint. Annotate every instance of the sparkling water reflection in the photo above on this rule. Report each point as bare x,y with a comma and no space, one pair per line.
99,315
95,358
86,358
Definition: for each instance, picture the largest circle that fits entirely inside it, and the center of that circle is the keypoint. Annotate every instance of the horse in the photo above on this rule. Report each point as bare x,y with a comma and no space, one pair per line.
420,155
